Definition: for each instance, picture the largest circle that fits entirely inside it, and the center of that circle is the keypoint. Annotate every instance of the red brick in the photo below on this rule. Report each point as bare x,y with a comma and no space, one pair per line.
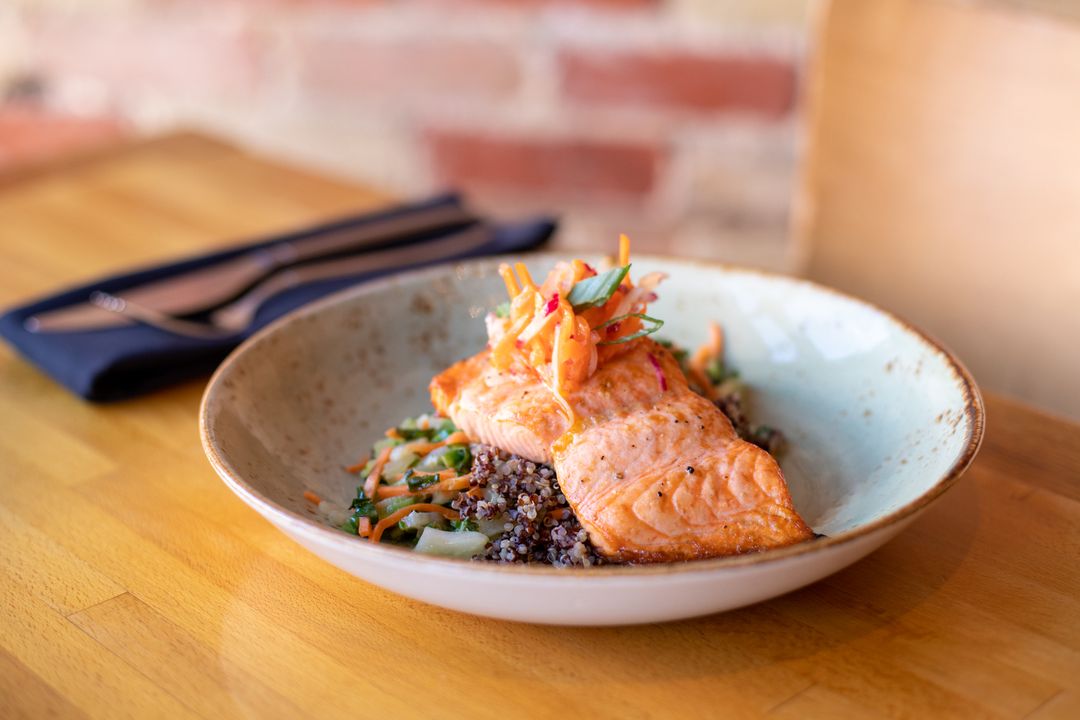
171,53
30,136
573,169
681,81
407,70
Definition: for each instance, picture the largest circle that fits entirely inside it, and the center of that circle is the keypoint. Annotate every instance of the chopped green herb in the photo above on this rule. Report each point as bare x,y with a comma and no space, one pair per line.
457,458
502,309
463,525
416,481
718,373
436,431
390,506
416,433
597,290
651,325
361,507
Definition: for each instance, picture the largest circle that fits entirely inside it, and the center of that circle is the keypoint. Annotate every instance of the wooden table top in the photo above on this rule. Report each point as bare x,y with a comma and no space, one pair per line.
134,584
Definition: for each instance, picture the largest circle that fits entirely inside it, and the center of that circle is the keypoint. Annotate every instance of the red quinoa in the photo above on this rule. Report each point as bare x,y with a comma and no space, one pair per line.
525,493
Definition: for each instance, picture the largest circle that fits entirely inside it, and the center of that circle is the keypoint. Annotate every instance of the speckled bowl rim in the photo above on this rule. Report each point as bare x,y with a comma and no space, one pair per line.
974,412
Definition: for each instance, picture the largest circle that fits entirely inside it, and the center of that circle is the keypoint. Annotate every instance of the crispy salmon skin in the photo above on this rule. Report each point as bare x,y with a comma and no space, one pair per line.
653,471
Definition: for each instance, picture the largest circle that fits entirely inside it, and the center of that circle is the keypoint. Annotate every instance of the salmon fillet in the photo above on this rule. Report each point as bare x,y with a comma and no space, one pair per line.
653,471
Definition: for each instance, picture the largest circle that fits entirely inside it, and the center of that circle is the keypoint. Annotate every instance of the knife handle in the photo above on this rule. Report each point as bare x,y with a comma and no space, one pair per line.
240,313
204,289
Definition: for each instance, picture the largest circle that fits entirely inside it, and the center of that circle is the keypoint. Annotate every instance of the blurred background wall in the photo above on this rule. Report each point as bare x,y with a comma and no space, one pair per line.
673,120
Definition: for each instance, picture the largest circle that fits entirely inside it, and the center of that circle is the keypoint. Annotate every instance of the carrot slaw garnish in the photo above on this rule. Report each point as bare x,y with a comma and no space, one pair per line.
392,519
312,497
512,288
575,321
363,526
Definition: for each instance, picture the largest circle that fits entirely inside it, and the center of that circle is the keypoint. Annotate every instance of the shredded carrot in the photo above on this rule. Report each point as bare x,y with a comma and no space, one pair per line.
563,346
562,330
371,484
443,475
447,481
526,278
363,526
451,484
712,348
459,483
393,518
389,491
393,434
581,270
456,438
512,288
559,513
312,497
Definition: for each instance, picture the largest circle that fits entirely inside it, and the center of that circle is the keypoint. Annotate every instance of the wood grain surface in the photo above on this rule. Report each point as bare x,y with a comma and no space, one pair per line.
133,584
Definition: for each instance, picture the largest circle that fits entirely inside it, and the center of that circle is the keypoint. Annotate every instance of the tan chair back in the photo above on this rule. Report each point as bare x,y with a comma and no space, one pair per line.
942,180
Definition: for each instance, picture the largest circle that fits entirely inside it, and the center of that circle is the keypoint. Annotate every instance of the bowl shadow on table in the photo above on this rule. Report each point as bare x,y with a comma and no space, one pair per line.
838,610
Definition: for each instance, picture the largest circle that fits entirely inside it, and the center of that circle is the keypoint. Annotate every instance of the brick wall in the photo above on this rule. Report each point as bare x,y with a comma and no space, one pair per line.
672,120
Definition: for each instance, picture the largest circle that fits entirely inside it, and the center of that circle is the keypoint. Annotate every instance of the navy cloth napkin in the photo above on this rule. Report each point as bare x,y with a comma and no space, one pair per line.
122,362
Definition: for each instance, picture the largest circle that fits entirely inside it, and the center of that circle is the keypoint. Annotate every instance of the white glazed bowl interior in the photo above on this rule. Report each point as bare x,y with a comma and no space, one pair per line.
879,419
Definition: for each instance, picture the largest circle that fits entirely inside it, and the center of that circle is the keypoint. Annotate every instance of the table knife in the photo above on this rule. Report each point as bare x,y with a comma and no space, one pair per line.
205,288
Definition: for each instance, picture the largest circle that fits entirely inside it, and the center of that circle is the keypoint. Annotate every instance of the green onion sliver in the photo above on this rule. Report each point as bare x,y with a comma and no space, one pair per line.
655,325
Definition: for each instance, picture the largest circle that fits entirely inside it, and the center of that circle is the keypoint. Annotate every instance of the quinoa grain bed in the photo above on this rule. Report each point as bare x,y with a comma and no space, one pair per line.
540,526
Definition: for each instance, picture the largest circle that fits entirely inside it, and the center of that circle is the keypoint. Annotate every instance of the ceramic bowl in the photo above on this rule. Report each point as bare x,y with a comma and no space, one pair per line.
880,419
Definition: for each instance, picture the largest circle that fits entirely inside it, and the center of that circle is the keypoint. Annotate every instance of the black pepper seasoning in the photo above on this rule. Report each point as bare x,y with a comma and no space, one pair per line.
690,469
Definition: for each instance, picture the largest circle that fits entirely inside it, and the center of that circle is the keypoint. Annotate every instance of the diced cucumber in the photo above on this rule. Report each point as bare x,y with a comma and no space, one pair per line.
451,544
492,527
420,520
389,506
401,459
381,445
432,462
442,497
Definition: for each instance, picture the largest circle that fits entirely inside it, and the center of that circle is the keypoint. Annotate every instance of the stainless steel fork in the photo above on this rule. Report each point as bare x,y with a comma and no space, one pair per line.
235,317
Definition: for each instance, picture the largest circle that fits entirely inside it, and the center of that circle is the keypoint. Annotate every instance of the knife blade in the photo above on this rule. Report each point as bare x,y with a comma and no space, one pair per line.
205,288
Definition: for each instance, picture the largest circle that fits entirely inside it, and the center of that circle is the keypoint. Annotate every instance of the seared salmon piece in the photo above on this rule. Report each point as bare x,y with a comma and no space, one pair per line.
654,471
